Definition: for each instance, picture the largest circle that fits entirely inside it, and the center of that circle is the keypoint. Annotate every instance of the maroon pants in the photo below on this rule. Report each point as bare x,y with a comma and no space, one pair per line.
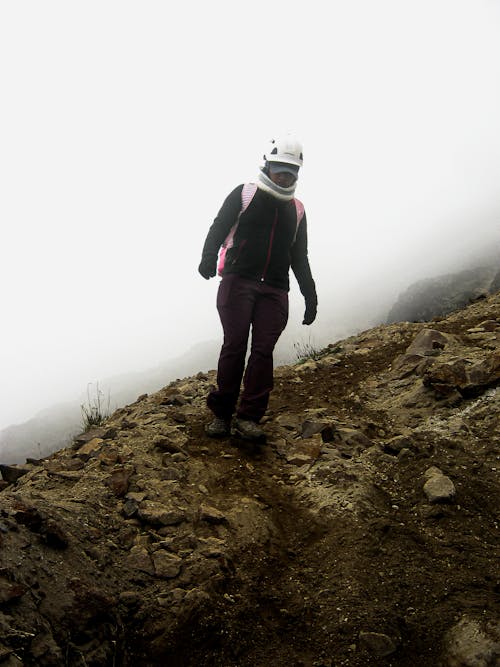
243,303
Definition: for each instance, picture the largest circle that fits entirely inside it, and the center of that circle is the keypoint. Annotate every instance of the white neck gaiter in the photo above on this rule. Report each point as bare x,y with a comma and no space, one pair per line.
265,183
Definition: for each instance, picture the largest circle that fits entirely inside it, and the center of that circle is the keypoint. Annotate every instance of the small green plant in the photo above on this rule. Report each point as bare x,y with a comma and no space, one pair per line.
95,411
307,350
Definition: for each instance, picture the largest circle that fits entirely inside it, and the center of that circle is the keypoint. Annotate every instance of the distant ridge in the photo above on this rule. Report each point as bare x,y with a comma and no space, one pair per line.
439,296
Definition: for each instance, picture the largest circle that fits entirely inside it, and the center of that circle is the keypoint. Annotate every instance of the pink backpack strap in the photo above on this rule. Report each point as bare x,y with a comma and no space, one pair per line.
247,194
299,207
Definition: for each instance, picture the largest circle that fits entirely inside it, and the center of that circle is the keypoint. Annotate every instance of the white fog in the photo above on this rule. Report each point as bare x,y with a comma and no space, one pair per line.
124,125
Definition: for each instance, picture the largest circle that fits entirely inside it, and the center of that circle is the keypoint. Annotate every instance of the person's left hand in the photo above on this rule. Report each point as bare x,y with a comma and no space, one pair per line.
311,311
207,269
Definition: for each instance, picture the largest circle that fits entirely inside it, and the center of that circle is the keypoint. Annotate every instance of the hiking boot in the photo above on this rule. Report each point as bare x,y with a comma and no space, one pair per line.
218,428
247,430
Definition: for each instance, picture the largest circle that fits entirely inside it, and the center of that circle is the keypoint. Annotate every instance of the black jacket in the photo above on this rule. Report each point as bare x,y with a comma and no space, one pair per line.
266,243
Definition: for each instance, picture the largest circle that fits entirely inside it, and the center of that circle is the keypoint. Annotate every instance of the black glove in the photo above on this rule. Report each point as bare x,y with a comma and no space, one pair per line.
207,269
310,314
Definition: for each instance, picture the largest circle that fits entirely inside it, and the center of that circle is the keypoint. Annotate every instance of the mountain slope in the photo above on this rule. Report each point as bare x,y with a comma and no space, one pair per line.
364,533
54,427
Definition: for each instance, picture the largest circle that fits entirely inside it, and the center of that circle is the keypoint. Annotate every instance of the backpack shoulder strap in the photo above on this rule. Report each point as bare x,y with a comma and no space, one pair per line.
299,207
247,194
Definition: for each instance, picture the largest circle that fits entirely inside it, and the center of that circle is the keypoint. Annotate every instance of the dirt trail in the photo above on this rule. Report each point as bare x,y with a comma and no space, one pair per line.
396,567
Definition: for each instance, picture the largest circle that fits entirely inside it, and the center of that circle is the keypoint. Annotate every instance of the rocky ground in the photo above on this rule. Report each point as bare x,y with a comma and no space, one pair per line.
364,533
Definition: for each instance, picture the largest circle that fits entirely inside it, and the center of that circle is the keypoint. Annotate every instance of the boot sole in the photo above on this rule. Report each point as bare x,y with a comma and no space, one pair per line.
238,436
221,435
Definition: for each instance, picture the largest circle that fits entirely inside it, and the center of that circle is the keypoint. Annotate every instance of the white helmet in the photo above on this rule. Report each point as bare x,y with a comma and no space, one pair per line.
285,149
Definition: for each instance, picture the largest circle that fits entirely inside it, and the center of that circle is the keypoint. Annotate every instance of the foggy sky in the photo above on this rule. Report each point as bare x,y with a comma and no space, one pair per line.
126,124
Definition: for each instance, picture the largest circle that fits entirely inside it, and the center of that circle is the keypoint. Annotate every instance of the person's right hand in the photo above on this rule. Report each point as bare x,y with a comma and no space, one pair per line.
311,311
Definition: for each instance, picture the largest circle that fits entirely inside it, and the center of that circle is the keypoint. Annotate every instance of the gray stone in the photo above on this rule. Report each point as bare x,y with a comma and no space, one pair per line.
170,440
129,598
377,643
287,422
90,448
172,473
311,427
439,488
176,399
462,376
12,473
212,547
196,598
119,481
484,373
211,514
130,508
105,433
10,590
45,650
471,644
350,442
167,565
489,325
298,459
38,522
139,559
9,659
5,652
432,472
137,496
428,341
159,515
178,457
404,455
395,445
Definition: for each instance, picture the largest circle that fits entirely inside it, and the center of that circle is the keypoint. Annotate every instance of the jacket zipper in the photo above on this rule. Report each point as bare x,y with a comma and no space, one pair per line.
242,245
271,239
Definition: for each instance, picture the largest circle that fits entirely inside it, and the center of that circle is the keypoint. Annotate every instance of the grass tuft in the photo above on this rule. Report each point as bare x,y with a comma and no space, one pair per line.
95,411
307,350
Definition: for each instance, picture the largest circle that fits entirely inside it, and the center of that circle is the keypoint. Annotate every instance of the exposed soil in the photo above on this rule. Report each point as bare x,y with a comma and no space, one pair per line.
154,545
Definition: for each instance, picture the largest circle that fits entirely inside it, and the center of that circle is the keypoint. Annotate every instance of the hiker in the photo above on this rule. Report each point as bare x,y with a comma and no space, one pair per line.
263,230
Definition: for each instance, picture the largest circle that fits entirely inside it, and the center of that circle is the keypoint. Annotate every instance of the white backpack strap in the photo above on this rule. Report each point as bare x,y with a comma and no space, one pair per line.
247,193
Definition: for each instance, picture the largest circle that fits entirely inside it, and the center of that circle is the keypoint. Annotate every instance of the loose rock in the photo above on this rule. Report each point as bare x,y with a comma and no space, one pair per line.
438,488
379,644
211,514
11,474
159,515
166,565
472,644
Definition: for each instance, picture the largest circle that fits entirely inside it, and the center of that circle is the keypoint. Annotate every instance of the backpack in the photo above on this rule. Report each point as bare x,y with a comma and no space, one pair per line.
247,194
